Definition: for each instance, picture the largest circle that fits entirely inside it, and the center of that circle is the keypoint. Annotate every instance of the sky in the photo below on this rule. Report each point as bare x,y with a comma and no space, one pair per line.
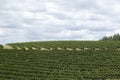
44,20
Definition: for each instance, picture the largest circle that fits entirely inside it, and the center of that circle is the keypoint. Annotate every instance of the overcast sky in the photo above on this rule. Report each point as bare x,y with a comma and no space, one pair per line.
38,20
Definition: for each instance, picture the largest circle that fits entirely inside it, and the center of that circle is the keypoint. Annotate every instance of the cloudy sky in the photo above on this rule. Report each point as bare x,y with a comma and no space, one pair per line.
38,20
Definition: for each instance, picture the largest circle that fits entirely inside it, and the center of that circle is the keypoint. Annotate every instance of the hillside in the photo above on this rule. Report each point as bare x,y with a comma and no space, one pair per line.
69,44
1,46
87,60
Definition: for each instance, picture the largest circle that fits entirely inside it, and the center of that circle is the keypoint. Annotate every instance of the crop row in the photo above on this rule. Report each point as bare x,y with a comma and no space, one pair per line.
59,65
57,48
68,45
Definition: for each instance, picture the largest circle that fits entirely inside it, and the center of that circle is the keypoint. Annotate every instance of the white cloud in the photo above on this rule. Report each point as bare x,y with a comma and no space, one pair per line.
29,20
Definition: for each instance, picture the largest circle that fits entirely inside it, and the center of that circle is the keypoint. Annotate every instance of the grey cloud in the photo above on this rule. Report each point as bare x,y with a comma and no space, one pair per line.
14,35
101,29
60,16
79,4
31,20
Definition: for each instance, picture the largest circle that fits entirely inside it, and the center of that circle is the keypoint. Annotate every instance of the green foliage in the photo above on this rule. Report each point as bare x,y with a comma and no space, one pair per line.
1,46
115,37
61,65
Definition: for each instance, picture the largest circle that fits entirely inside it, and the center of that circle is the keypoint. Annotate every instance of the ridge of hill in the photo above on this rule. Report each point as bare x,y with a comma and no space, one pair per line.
65,45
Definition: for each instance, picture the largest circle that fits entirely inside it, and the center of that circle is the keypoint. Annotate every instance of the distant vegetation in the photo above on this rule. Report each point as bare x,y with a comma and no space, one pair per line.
115,37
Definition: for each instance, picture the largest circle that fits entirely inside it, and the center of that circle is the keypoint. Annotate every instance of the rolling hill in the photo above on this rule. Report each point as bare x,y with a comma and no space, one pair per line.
60,60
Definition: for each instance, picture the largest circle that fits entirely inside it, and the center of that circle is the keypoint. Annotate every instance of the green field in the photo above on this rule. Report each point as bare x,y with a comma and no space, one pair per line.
55,64
0,46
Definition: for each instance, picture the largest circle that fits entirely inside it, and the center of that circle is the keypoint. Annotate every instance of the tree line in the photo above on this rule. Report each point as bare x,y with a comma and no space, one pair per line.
115,37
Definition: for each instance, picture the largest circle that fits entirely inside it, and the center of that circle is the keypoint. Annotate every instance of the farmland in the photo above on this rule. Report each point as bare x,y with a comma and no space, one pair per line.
110,45
87,60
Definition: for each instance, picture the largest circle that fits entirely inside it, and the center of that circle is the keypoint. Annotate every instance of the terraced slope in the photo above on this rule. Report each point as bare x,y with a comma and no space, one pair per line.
92,45
61,64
